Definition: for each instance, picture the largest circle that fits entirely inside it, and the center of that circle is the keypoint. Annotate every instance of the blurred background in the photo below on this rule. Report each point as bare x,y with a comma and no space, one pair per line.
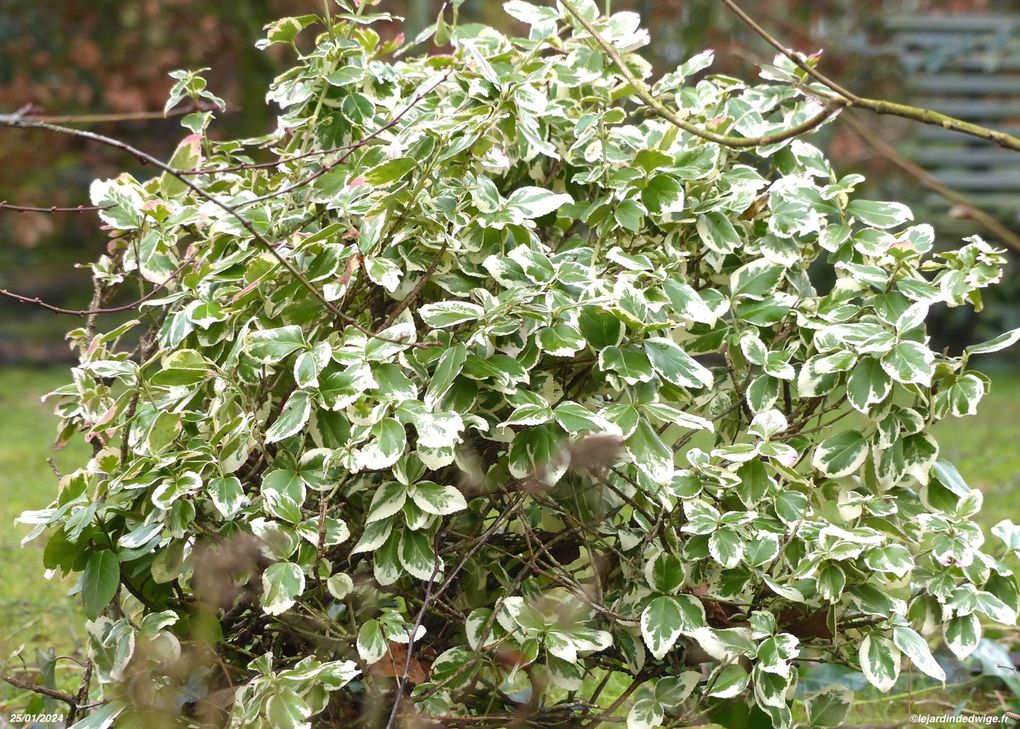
85,57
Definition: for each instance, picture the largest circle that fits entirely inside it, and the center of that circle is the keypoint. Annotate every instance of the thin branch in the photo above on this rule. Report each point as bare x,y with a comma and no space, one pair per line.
351,148
797,60
122,116
4,205
414,292
645,94
36,301
19,121
413,634
879,106
872,137
42,690
81,701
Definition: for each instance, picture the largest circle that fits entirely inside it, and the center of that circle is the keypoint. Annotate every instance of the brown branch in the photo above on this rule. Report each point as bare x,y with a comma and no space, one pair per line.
872,137
52,209
413,294
642,90
879,106
36,301
19,121
41,690
412,635
122,116
82,699
805,67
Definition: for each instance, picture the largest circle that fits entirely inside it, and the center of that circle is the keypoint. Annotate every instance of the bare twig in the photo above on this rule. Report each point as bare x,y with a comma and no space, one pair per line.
41,690
872,138
52,209
878,106
36,301
121,116
20,121
83,694
412,636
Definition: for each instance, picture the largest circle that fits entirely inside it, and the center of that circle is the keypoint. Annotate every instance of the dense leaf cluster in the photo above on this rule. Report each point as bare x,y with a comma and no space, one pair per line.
493,391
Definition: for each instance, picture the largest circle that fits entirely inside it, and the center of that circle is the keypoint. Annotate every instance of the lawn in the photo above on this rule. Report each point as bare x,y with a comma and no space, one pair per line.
35,613
985,448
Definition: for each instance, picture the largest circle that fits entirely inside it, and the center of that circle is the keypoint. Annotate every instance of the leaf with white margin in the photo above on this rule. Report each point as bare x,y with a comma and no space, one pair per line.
449,313
575,418
479,620
730,681
284,493
879,214
962,634
292,418
436,499
561,340
768,423
529,414
227,495
664,573
371,643
1008,532
447,368
388,443
717,232
665,618
950,477
909,363
530,14
726,644
841,454
661,625
868,384
687,303
912,317
438,430
880,662
340,585
894,558
417,555
755,280
916,649
675,365
829,707
388,499
651,456
671,691
536,202
645,712
726,547
282,583
995,608
269,346
996,344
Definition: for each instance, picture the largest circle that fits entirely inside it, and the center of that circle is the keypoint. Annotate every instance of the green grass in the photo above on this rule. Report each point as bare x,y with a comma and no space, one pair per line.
37,614
985,449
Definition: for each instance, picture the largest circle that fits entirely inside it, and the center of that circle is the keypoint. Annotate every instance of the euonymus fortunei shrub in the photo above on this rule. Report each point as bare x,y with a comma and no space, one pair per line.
494,394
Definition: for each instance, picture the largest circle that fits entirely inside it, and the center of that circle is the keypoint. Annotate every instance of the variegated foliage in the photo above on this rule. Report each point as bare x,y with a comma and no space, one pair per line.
506,376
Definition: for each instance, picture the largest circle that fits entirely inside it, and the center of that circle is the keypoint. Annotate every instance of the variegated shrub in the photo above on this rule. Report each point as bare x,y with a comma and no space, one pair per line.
478,389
